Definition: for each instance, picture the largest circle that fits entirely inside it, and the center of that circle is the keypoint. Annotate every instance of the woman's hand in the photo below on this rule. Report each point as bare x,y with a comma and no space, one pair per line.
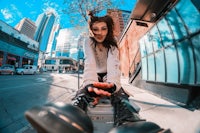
98,92
109,87
98,89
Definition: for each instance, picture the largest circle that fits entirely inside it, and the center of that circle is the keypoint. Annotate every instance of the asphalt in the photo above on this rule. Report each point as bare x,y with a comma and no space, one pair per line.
155,109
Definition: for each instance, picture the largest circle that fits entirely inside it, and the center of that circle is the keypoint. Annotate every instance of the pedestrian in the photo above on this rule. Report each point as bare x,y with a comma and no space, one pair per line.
101,77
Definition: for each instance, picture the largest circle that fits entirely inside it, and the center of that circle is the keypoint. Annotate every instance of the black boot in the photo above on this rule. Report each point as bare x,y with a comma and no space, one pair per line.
140,127
82,101
123,111
59,118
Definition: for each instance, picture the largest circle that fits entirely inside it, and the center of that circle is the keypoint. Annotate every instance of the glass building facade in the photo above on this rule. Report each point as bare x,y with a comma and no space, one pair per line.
44,23
170,51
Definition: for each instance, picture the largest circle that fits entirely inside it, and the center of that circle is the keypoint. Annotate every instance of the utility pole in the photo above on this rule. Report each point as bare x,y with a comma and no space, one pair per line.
78,48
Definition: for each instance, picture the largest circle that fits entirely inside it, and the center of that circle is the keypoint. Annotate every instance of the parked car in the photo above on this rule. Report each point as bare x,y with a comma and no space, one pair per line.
27,69
7,69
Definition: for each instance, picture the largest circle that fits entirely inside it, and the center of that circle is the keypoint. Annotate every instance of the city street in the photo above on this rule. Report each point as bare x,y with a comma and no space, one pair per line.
147,49
20,92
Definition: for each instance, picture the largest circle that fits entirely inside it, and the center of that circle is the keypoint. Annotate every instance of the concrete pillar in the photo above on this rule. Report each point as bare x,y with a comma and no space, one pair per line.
5,54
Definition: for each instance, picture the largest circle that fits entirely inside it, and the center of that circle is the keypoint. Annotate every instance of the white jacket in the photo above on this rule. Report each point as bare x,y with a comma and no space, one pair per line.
101,61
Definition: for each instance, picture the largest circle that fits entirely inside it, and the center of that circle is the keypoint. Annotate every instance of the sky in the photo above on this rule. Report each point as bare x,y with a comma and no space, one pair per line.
12,11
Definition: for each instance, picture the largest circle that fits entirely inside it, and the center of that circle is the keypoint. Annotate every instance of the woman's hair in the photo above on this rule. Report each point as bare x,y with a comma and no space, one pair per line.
109,40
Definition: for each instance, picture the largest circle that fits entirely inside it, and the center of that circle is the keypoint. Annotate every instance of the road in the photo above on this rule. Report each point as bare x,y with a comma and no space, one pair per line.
21,92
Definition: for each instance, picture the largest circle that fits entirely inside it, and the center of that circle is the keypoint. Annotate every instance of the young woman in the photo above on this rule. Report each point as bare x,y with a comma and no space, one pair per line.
101,76
101,79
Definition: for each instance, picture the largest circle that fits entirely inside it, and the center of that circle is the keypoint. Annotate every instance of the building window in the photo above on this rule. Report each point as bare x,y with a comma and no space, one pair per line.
196,4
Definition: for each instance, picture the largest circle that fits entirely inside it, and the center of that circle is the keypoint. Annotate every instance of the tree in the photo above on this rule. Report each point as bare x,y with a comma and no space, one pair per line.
77,9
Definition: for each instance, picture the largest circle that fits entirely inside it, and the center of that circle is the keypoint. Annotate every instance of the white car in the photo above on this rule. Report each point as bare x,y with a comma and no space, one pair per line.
7,69
27,69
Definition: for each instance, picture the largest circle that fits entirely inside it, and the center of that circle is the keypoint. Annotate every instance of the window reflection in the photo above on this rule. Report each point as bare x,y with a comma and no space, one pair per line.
196,46
50,62
148,42
176,24
171,65
144,68
142,48
151,68
190,15
186,61
155,38
160,66
165,32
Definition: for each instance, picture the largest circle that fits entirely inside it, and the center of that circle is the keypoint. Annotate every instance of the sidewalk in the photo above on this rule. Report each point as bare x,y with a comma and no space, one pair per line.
167,115
152,108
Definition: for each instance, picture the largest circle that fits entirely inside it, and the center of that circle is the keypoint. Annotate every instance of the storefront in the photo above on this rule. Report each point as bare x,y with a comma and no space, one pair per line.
1,58
17,55
15,48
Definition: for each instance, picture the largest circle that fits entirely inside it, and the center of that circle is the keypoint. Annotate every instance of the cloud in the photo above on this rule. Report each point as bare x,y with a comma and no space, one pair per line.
16,11
11,13
6,13
30,4
53,7
8,16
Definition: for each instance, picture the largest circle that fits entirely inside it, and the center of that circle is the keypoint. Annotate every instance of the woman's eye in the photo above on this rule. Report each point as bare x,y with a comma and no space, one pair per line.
95,29
104,28
99,29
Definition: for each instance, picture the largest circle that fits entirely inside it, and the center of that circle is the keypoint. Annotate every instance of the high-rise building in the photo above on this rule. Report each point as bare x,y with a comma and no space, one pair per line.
68,42
51,47
120,18
64,41
26,27
44,23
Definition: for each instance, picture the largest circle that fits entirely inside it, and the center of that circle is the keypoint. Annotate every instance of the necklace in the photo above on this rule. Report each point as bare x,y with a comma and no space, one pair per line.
100,47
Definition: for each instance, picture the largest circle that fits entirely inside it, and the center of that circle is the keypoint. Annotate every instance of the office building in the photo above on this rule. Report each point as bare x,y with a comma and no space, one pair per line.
51,46
44,23
26,27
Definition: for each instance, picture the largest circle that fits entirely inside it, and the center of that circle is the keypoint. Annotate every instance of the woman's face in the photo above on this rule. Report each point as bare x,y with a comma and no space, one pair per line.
100,31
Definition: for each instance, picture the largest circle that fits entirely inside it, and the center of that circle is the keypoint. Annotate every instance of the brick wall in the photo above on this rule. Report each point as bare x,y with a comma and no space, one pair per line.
129,47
